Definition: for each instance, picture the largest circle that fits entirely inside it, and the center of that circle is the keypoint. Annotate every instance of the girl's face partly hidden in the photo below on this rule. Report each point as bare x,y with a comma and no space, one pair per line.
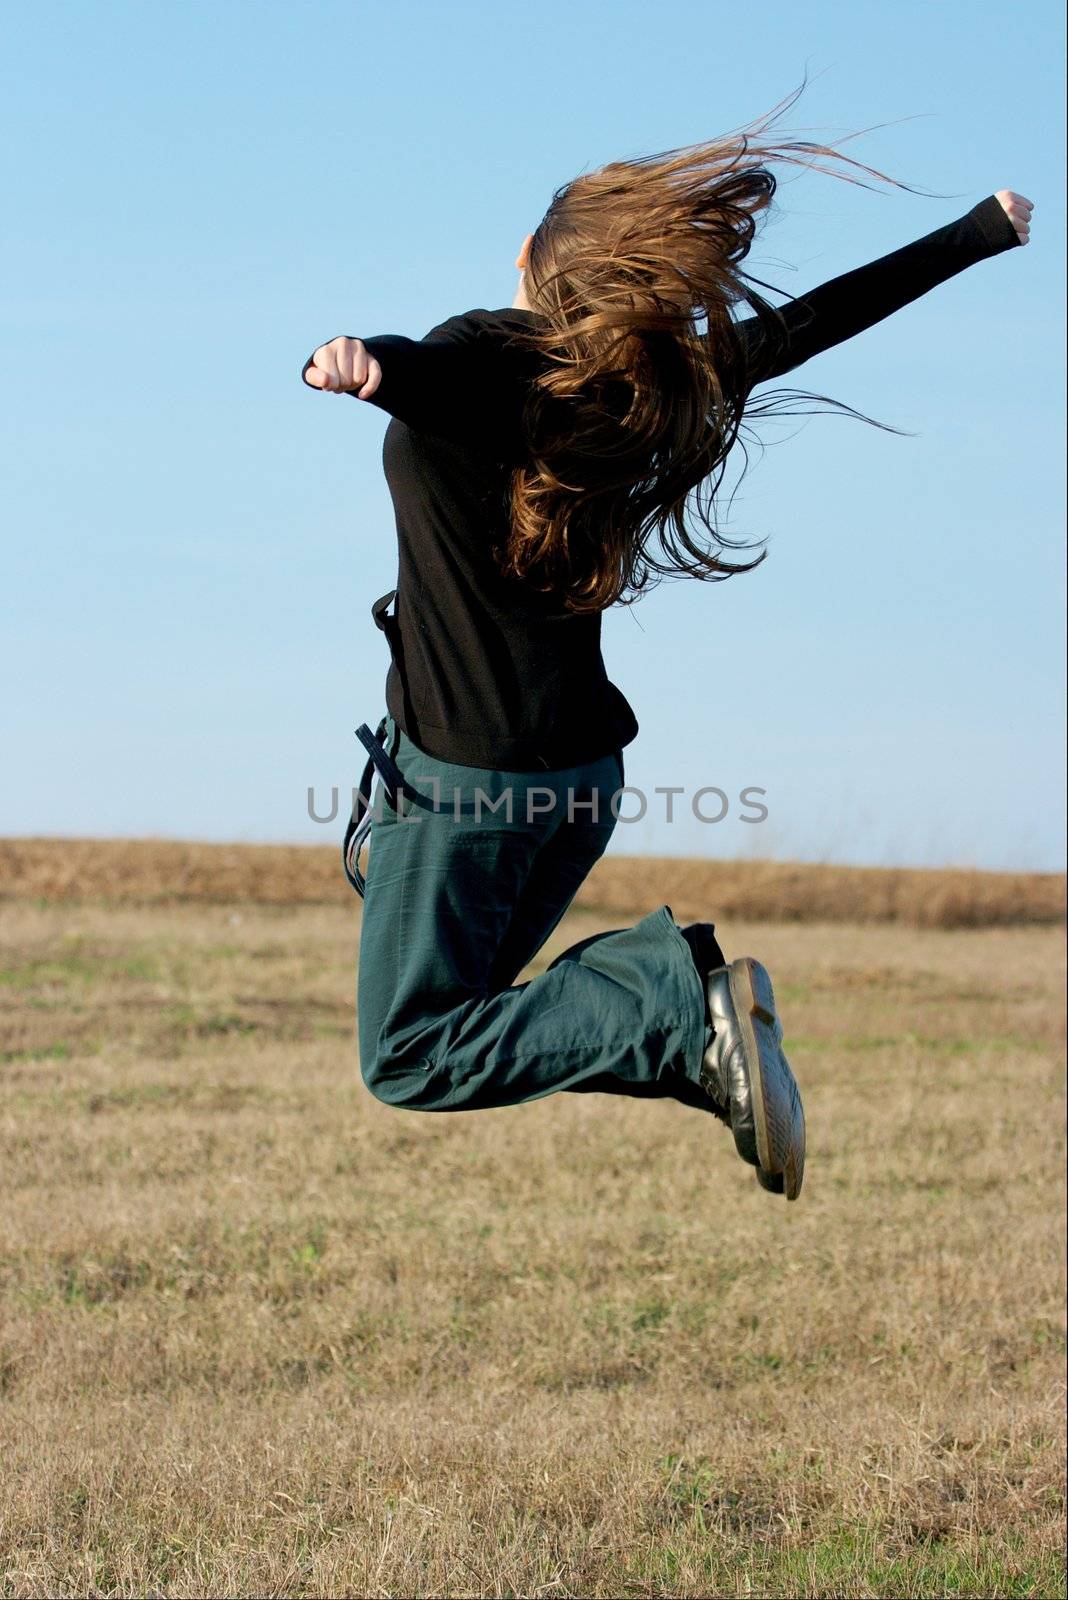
521,302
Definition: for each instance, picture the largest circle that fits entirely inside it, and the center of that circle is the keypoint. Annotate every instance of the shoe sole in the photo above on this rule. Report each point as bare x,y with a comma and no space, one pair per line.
770,1078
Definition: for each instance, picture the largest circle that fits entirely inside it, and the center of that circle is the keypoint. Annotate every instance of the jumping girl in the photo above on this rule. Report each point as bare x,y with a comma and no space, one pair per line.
547,460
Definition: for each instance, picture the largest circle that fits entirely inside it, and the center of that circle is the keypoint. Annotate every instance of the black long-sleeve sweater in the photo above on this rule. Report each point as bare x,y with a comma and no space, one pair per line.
487,672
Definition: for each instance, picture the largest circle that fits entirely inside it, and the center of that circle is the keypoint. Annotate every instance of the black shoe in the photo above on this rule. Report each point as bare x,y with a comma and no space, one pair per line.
744,1068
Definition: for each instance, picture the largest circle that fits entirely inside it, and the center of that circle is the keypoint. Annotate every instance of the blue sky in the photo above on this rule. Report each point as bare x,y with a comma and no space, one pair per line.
198,194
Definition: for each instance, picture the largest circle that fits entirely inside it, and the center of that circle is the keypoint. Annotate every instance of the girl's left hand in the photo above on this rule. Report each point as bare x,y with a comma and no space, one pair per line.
1018,209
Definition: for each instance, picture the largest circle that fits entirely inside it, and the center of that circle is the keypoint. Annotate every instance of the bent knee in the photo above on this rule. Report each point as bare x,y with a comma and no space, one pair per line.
382,1083
396,1081
377,1069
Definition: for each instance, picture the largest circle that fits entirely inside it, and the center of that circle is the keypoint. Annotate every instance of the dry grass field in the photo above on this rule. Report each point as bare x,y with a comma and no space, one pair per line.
262,1335
171,871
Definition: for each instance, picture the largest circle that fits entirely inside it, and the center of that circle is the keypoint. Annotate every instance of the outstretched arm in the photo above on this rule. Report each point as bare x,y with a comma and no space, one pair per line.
848,304
460,382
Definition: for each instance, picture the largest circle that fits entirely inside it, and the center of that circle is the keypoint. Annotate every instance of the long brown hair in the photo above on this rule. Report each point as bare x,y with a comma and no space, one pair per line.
630,421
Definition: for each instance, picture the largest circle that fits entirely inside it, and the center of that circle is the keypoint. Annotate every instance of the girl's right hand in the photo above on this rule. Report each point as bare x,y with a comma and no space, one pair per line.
344,366
1018,210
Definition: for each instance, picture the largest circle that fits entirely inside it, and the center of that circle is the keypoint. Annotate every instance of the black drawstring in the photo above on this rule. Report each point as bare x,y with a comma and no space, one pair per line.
359,825
379,759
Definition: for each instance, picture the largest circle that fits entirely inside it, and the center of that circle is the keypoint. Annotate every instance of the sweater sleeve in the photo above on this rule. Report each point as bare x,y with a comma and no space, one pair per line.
458,382
844,306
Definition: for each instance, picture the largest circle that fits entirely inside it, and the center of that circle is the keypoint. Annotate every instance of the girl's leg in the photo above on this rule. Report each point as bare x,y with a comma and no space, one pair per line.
557,871
674,1085
435,1034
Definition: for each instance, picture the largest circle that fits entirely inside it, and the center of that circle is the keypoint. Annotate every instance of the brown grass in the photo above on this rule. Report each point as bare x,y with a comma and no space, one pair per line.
164,871
262,1335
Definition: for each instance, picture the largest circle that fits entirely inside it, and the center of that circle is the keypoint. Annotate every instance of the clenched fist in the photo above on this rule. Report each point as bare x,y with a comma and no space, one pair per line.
344,366
1018,210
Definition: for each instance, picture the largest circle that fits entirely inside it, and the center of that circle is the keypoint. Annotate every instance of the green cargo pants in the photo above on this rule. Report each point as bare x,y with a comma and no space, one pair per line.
465,882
